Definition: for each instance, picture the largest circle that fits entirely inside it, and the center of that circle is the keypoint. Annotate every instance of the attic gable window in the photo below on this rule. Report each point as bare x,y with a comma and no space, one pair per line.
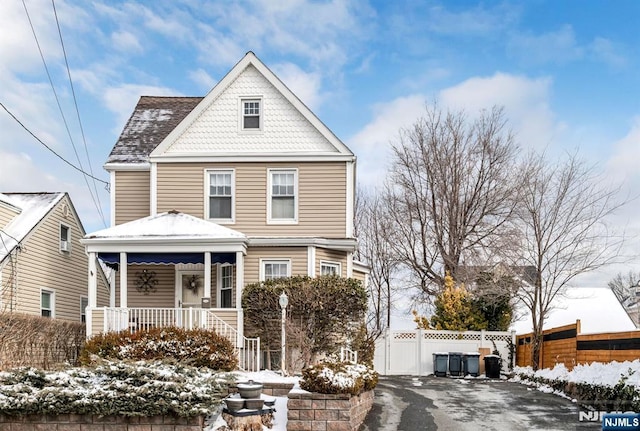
251,114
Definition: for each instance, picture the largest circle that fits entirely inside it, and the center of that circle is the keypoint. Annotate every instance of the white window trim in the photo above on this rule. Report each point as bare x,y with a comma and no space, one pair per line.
296,198
53,302
219,285
64,248
207,178
337,265
241,101
263,262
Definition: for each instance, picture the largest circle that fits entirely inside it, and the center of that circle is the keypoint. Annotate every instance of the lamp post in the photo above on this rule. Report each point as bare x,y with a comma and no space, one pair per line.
284,301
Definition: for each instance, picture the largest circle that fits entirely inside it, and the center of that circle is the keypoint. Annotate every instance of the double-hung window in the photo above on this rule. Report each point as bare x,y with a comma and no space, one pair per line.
220,200
226,286
47,303
273,269
329,268
251,114
283,200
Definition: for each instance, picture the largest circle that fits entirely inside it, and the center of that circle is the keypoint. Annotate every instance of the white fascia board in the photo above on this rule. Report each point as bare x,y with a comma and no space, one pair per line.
144,166
361,267
334,244
252,157
156,247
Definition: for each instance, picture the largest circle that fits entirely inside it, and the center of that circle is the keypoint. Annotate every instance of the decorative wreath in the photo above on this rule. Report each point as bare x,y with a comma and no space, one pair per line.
146,281
192,282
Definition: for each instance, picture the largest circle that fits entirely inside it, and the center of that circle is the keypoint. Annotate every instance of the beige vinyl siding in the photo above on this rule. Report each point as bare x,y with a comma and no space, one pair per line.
321,196
132,195
41,265
333,256
6,215
358,275
297,255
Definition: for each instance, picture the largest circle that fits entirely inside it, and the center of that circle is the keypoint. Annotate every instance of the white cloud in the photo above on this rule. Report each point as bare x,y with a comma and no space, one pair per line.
558,46
202,79
606,51
525,100
303,84
126,41
372,144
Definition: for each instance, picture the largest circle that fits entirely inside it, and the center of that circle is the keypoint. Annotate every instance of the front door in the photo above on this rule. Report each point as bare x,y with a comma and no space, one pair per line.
189,293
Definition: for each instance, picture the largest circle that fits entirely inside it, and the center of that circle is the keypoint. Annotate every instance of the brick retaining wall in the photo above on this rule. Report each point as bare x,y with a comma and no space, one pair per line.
323,412
74,422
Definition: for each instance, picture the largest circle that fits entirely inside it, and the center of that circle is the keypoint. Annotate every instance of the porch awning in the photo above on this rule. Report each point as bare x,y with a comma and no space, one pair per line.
112,259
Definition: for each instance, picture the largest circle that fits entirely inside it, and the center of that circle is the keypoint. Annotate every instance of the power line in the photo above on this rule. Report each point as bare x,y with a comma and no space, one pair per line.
64,119
53,151
75,102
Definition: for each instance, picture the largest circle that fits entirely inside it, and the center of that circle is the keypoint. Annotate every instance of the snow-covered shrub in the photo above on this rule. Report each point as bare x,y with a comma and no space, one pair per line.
610,386
125,389
338,378
196,347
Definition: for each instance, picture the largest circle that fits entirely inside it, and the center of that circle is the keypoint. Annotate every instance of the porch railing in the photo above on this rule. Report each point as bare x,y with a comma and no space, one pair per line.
136,319
348,355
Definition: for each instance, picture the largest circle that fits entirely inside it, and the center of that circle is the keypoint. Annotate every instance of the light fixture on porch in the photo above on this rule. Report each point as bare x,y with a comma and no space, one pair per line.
283,301
192,282
147,281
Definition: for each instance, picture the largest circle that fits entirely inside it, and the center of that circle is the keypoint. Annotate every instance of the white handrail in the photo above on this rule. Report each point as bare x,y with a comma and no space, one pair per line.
348,355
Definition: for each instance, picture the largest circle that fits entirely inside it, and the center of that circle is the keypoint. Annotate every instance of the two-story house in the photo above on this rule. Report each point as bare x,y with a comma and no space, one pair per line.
211,193
43,268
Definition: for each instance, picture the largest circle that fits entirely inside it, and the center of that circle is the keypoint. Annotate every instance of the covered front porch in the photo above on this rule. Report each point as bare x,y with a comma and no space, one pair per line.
171,269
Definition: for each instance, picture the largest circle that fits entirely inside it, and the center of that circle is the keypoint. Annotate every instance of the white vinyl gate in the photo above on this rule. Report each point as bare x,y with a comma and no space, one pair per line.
410,352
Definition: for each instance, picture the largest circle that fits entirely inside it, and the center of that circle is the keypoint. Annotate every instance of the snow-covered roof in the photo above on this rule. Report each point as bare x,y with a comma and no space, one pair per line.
596,307
33,208
151,121
171,225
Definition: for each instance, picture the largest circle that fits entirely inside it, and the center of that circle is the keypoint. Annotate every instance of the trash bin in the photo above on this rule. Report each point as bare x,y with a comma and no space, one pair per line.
440,361
455,363
471,364
492,366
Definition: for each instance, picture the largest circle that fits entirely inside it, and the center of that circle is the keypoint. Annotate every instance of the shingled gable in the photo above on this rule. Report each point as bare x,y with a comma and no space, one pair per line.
203,141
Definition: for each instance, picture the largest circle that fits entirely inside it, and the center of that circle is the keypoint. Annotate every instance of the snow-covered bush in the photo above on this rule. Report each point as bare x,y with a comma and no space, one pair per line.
338,378
606,386
125,389
196,347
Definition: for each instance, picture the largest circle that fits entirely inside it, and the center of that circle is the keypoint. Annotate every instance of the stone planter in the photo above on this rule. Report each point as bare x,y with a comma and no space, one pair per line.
310,411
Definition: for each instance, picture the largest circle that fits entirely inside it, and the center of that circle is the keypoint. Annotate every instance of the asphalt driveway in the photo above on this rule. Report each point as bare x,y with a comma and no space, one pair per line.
450,404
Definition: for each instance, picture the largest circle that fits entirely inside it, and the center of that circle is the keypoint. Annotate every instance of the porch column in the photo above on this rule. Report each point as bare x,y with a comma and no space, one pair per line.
123,280
92,294
207,276
112,288
311,261
239,286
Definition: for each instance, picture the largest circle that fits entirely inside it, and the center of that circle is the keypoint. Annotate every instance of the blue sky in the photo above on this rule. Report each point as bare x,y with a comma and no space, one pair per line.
565,71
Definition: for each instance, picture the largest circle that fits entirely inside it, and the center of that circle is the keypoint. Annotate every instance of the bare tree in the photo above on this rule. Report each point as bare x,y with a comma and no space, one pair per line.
563,212
626,288
450,192
373,227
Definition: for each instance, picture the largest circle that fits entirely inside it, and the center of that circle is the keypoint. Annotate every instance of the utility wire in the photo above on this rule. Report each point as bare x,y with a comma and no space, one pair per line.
52,150
75,102
93,198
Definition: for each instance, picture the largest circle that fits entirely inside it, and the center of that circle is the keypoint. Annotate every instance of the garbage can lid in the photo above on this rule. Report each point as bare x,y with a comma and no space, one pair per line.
441,353
472,354
492,356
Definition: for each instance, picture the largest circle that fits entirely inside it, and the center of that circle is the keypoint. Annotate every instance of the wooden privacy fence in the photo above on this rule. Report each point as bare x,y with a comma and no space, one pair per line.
566,345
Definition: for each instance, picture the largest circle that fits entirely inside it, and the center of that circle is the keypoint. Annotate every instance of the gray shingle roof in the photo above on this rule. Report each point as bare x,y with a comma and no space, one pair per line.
151,121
